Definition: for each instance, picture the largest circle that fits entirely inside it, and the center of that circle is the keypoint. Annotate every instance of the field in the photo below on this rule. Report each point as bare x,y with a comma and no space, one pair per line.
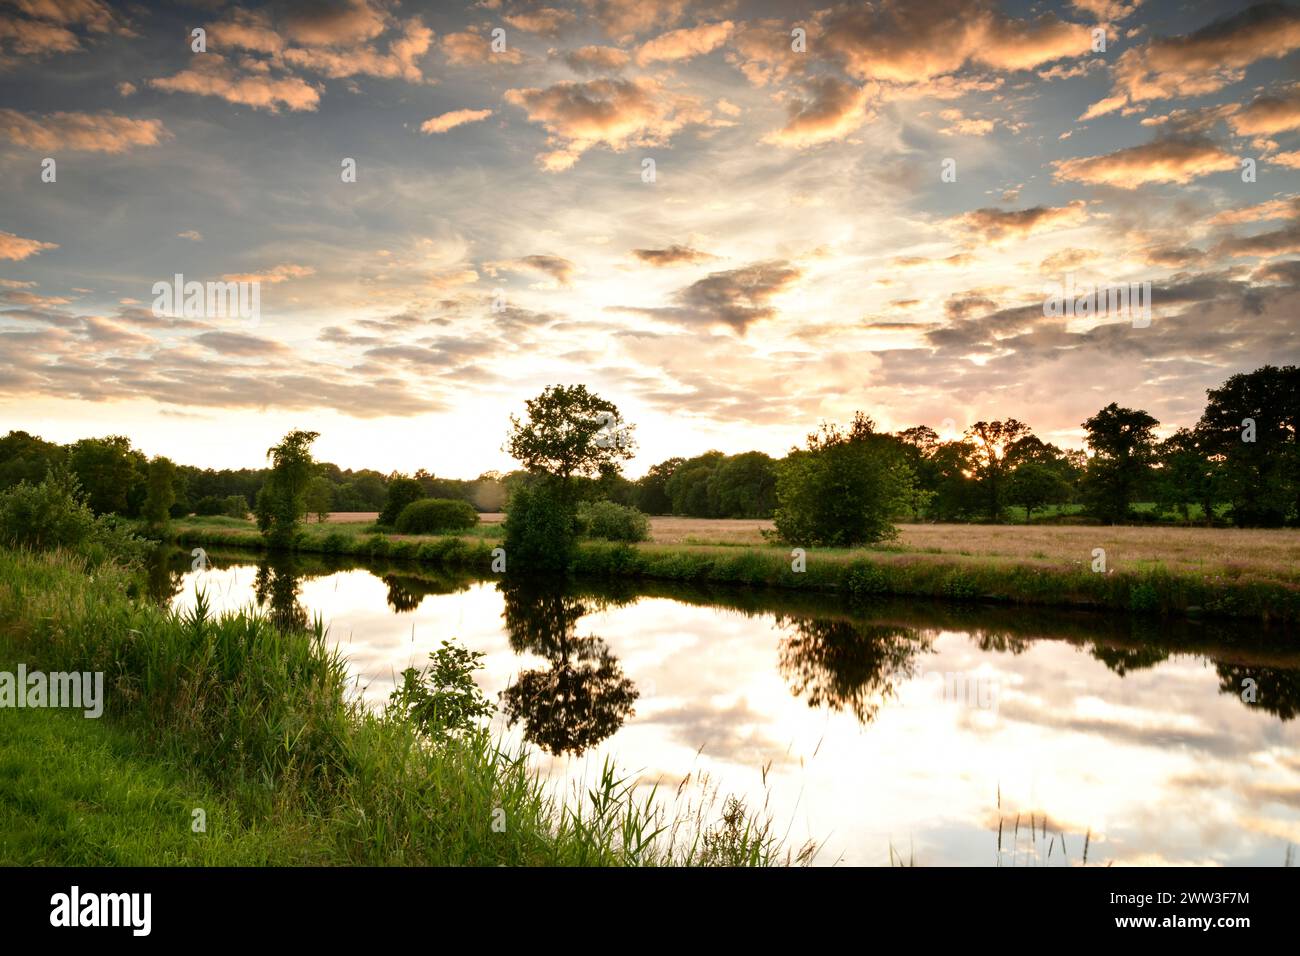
1268,553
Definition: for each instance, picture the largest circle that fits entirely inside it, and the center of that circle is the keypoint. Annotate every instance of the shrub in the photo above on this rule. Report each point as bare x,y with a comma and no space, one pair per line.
539,527
54,514
429,515
401,492
444,699
210,505
234,506
613,522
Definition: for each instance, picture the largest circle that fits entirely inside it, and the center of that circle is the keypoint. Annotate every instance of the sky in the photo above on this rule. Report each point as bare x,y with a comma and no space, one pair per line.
734,220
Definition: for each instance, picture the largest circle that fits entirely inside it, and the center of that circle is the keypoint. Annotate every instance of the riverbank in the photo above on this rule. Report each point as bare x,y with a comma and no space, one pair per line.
257,727
1233,573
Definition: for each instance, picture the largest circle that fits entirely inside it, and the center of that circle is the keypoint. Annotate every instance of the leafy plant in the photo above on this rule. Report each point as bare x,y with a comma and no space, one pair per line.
444,699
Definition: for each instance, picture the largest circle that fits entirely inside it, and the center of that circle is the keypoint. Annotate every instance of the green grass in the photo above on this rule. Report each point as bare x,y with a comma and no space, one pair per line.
259,723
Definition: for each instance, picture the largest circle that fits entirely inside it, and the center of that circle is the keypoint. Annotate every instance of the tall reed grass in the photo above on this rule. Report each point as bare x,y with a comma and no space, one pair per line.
267,716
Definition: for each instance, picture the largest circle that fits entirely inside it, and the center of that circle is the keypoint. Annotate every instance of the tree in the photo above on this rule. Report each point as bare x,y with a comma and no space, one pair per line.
1251,426
844,489
569,432
689,486
25,457
160,493
320,497
1033,484
744,486
991,443
1186,476
651,494
107,471
281,502
1123,445
402,491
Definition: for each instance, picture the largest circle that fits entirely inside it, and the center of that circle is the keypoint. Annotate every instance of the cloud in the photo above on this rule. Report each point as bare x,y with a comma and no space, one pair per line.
191,234
1067,259
16,248
547,21
685,43
914,41
557,267
89,132
1107,11
833,109
627,18
334,22
671,256
1285,241
400,62
239,344
473,49
1208,59
735,298
214,76
998,225
1288,208
1174,160
1267,115
280,273
446,121
596,59
612,112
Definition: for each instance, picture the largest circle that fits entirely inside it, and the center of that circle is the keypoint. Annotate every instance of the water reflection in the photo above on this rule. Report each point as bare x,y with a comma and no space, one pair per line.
582,696
1135,729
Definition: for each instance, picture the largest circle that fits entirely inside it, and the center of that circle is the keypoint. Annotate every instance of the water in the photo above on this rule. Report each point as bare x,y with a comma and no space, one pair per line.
912,730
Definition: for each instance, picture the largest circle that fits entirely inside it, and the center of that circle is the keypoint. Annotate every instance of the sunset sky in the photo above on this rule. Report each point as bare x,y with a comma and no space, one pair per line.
797,255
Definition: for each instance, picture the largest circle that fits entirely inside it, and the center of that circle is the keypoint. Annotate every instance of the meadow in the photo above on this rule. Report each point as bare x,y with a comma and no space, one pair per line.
1234,572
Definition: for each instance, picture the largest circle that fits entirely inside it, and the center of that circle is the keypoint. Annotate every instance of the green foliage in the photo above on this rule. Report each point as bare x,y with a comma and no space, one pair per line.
1258,465
319,498
431,515
54,515
844,489
25,457
1123,445
612,522
160,493
569,432
402,491
540,528
444,699
281,502
108,470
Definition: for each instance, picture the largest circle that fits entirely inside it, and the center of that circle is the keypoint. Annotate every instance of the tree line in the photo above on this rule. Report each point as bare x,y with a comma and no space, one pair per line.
1240,463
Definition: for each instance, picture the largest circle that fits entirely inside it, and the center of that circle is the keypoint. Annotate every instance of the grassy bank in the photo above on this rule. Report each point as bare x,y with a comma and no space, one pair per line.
1252,575
257,726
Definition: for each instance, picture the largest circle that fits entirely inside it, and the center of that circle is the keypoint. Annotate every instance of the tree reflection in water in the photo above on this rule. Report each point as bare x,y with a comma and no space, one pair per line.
845,664
583,697
276,587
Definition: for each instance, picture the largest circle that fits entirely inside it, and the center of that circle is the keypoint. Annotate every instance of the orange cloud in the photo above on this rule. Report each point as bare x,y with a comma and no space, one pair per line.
684,44
832,111
91,132
671,256
472,49
615,113
1267,115
1164,161
1207,60
596,59
280,273
17,248
213,76
547,21
1002,225
440,124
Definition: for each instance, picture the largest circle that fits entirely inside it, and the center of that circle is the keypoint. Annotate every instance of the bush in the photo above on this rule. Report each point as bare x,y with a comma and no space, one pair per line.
540,528
401,492
54,514
430,515
613,522
234,506
210,505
